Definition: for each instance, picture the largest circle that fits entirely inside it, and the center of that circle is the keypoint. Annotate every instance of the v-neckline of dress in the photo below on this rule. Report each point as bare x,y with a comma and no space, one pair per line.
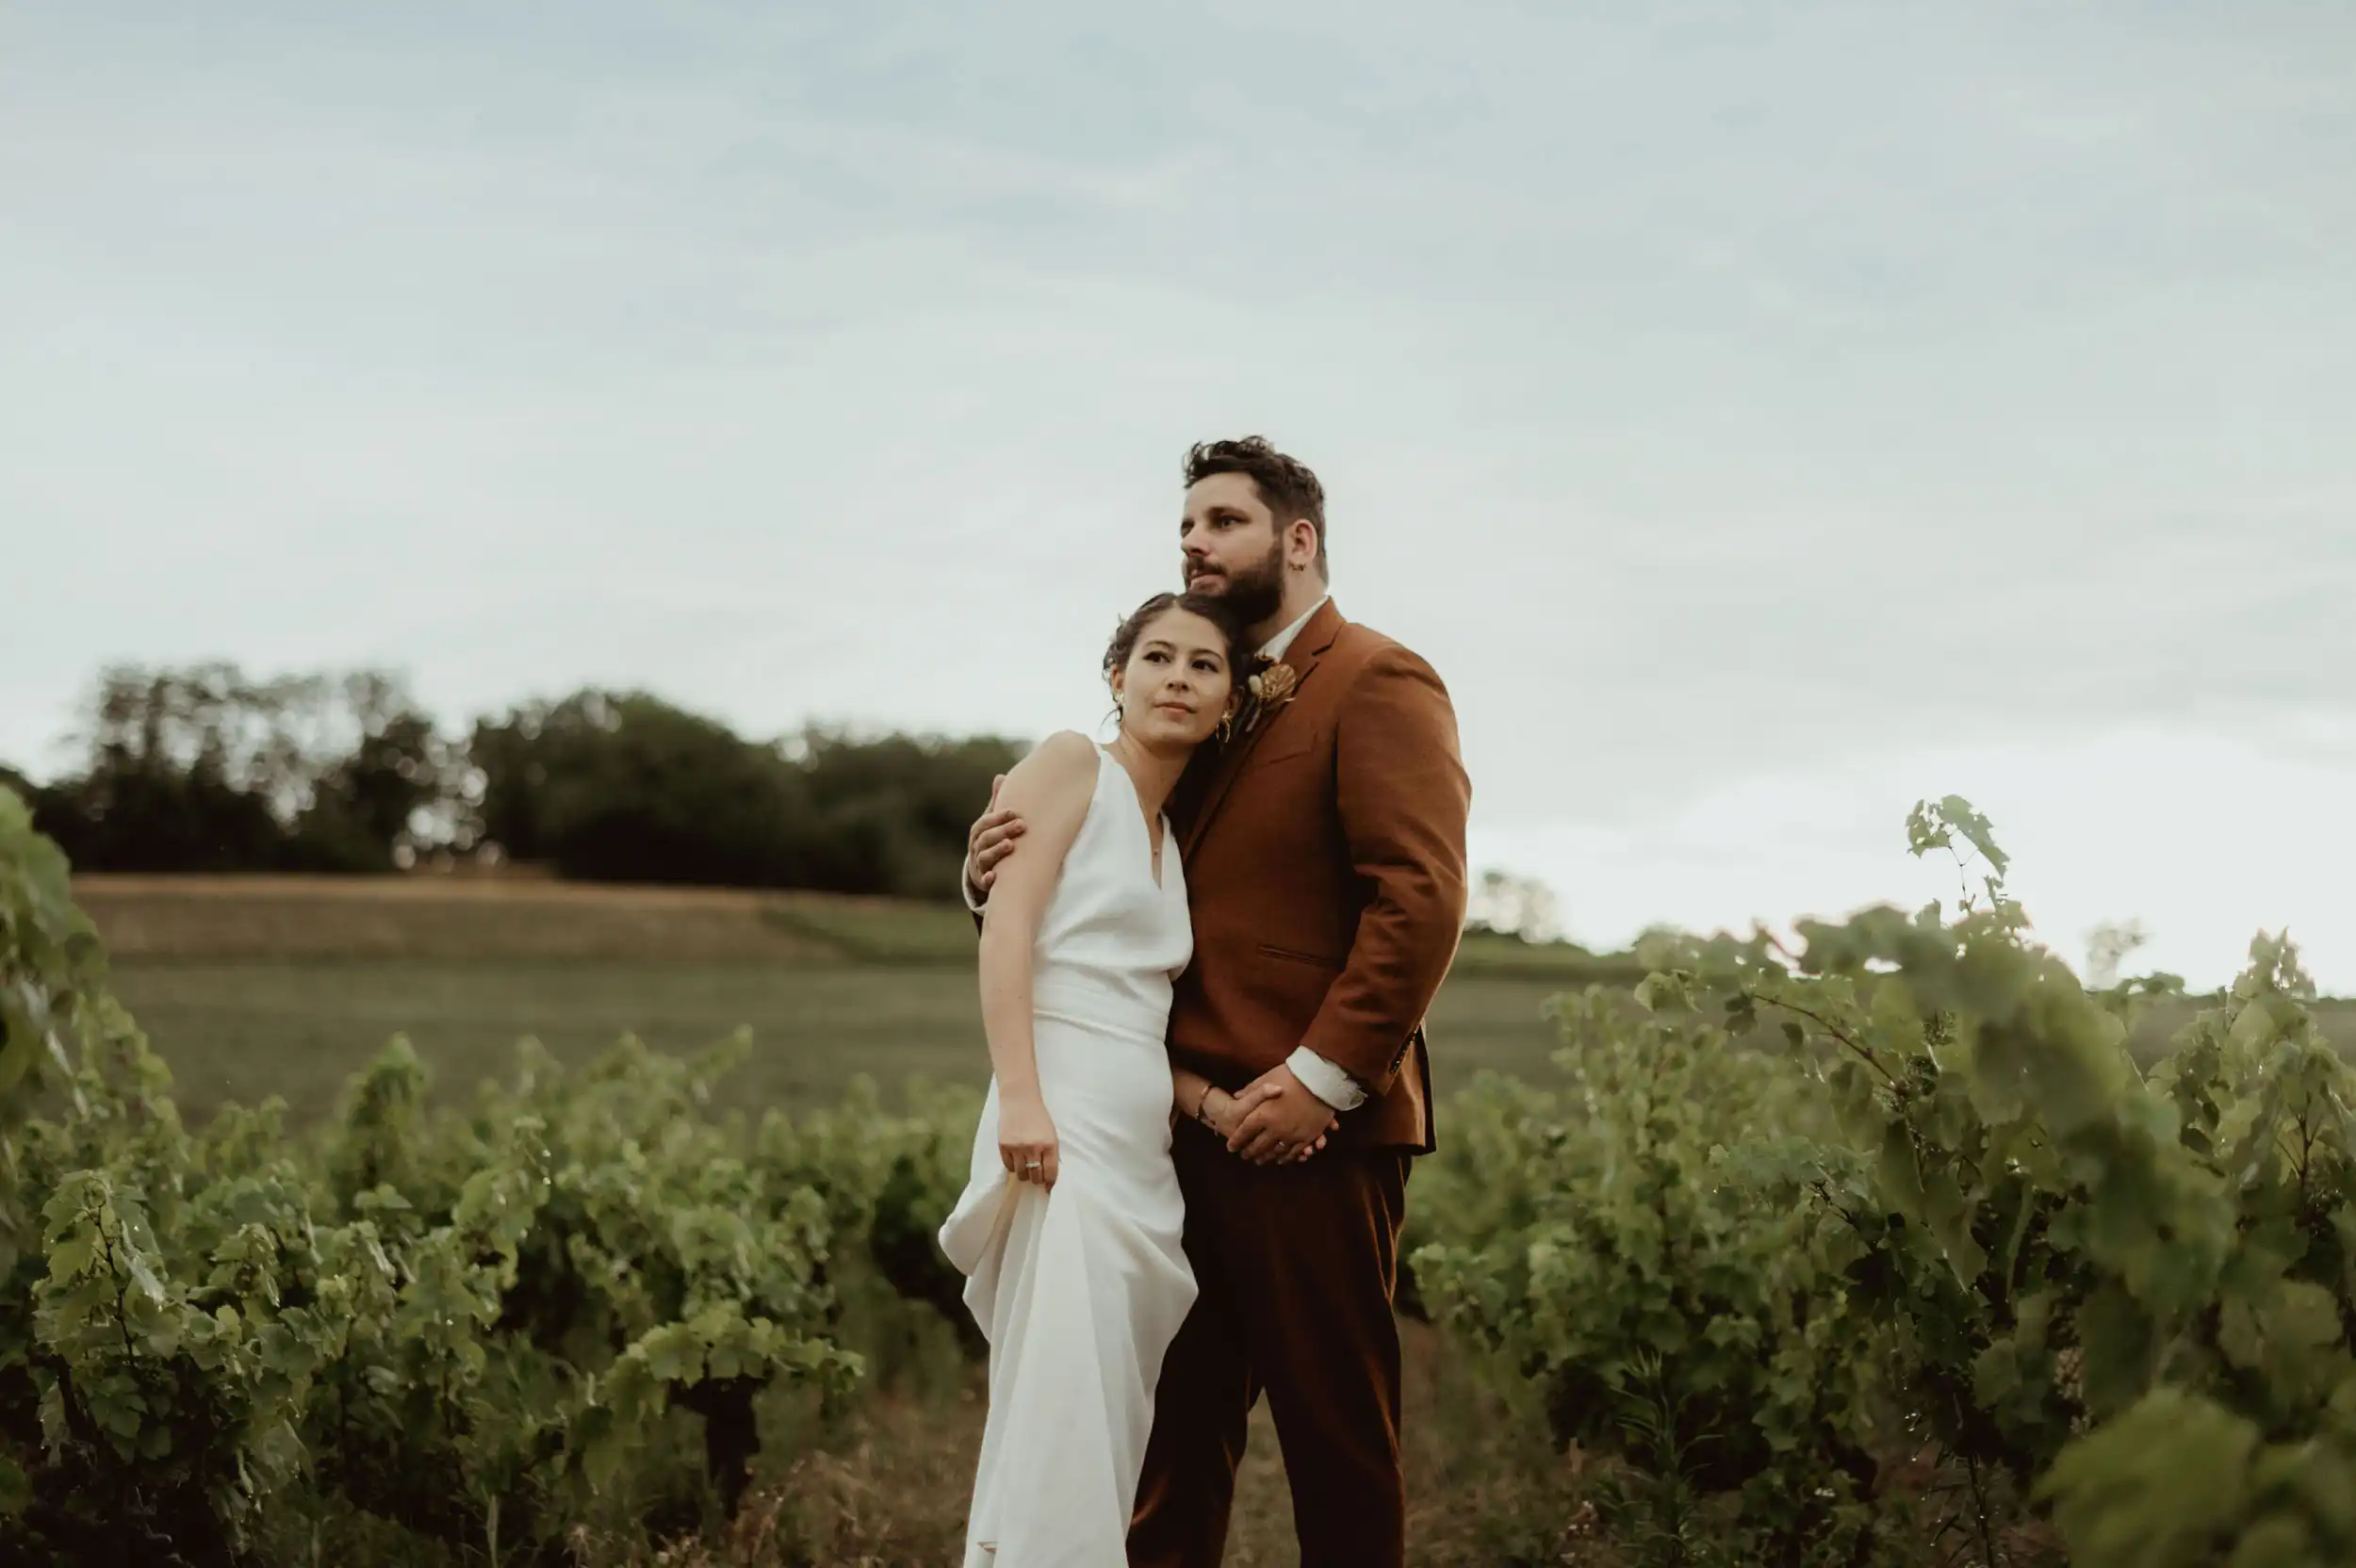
1152,851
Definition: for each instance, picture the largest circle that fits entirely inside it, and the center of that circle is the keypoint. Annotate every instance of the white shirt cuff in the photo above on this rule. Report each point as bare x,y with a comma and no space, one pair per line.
1321,1078
965,890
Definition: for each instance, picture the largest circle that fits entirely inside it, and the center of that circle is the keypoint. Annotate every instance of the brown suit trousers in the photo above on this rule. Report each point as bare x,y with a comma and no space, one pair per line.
1296,1266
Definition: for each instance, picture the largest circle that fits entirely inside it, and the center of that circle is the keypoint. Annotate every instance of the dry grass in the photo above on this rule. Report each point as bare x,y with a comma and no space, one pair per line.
436,918
518,916
891,1492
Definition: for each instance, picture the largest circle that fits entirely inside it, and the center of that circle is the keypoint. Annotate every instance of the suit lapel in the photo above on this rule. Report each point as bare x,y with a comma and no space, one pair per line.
1308,648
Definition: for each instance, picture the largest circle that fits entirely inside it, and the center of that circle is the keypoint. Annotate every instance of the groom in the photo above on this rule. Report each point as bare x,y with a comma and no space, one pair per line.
1324,851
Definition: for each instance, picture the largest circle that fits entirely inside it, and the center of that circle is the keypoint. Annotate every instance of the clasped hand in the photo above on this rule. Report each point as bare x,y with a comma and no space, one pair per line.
1272,1120
1275,1121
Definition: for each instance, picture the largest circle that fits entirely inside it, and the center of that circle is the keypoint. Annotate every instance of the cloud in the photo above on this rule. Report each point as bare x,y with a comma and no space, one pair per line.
1715,394
2204,837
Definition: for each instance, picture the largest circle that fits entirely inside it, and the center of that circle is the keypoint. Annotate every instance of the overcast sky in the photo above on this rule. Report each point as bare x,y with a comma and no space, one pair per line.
1761,416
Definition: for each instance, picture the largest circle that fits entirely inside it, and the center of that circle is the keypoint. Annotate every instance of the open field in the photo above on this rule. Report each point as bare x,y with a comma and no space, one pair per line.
256,986
245,1029
252,987
500,918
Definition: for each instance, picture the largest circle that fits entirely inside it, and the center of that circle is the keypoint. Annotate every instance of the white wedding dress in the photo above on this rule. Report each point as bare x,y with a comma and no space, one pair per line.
1081,1290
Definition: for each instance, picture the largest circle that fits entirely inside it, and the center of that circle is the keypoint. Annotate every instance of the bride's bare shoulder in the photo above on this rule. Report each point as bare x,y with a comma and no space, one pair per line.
1061,767
1065,747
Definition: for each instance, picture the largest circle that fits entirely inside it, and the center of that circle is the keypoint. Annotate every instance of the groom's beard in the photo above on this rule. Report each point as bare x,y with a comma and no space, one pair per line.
1257,594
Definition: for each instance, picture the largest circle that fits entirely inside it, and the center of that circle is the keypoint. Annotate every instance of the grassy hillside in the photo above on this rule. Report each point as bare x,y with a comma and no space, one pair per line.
259,986
498,921
507,920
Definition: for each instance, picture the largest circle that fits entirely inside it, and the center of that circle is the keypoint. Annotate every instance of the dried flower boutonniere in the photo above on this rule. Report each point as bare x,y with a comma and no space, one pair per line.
1270,689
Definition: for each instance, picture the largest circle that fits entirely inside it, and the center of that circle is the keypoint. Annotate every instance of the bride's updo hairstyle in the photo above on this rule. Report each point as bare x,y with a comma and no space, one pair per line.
1210,607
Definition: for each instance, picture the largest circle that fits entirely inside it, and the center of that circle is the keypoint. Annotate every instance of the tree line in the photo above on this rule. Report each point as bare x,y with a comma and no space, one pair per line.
203,769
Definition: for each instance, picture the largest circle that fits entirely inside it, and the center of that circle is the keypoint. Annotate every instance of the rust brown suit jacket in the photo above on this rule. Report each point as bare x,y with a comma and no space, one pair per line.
1325,864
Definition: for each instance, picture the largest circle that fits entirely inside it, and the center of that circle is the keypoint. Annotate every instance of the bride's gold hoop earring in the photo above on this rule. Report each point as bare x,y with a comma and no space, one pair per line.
1226,726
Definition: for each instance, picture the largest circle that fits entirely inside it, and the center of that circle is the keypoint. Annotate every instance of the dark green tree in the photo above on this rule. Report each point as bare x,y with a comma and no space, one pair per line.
203,770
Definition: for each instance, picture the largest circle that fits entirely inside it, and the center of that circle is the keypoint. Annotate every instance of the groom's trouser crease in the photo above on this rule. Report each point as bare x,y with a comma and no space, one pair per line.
1295,1266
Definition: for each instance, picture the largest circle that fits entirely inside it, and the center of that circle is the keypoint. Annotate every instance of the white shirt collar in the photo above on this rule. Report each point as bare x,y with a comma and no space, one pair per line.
1275,647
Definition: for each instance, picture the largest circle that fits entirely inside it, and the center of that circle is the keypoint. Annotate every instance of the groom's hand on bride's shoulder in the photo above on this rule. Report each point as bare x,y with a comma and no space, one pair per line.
989,840
1285,1122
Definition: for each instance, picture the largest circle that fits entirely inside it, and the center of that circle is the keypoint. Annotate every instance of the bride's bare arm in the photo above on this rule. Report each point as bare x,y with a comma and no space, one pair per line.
1197,1099
991,840
1052,788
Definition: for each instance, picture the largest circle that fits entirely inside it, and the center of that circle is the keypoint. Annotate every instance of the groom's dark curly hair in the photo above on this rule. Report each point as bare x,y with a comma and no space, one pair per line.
1285,483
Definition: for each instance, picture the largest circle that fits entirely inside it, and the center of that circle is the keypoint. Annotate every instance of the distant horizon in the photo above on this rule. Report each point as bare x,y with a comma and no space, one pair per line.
1951,881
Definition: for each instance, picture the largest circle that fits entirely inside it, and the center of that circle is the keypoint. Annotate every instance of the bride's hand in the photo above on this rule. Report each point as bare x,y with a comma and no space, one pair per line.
1220,1111
1026,1140
1225,1110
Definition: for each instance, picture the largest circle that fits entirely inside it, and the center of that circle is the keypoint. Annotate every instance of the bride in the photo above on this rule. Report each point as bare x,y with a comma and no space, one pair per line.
1068,1230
